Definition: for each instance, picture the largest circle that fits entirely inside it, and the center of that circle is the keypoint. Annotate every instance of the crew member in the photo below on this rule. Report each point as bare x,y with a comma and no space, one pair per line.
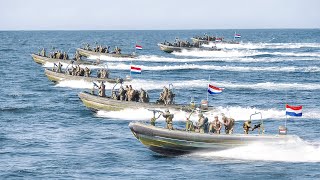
102,88
168,118
43,52
87,72
189,125
228,124
59,67
246,126
154,118
215,126
122,93
202,123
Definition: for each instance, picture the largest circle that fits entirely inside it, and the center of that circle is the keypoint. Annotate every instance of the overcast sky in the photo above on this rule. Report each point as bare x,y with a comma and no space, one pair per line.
157,14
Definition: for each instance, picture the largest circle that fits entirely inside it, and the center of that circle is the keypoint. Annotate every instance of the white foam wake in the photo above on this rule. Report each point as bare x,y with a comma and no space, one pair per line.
296,150
122,66
243,57
239,113
223,53
141,114
155,84
236,53
250,45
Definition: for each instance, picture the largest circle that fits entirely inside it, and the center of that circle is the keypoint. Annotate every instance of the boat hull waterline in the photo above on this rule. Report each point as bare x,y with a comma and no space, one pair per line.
43,60
170,49
57,77
96,103
88,53
178,142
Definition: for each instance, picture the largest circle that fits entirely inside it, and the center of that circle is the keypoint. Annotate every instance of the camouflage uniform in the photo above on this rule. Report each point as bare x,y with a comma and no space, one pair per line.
201,123
87,72
246,126
169,118
228,124
59,68
102,89
189,125
215,126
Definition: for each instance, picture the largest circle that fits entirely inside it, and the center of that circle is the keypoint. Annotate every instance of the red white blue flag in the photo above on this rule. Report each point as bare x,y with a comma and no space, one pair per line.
218,39
138,47
214,90
237,35
135,70
293,110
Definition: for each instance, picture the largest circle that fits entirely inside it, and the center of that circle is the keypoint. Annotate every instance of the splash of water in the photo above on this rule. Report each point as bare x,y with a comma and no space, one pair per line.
155,84
296,150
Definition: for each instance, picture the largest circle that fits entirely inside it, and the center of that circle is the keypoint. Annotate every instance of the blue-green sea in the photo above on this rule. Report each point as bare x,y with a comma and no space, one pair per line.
47,133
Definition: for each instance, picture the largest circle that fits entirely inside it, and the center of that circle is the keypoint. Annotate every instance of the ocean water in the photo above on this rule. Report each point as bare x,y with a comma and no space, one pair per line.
47,133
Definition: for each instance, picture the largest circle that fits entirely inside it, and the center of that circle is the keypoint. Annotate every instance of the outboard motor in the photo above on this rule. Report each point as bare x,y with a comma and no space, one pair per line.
204,105
282,130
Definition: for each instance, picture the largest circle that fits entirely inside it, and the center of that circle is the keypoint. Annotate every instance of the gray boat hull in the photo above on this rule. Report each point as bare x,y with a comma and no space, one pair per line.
88,53
57,77
42,60
95,103
201,41
170,49
177,142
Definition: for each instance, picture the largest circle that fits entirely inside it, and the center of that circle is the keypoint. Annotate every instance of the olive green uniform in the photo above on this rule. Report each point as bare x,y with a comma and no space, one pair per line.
246,127
168,118
228,124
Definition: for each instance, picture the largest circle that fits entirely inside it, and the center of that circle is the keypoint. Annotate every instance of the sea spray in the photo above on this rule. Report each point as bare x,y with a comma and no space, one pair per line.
295,150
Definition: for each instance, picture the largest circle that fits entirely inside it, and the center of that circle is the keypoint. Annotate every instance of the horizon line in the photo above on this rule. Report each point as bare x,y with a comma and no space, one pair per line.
191,29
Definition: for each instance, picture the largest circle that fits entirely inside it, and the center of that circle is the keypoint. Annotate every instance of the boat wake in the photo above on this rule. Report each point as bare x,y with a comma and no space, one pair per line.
266,45
241,56
235,53
122,66
158,84
141,114
296,150
237,112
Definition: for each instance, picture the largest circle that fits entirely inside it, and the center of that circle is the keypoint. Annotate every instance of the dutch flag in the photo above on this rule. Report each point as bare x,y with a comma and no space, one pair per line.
214,90
237,35
293,110
138,47
135,70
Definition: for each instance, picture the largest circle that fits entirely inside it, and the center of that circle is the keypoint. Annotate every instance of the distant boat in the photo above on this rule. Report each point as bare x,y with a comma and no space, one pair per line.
206,39
57,77
87,53
43,60
95,103
169,48
212,40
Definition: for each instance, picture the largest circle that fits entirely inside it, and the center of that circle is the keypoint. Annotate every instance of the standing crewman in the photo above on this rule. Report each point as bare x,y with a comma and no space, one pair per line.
87,72
246,126
59,66
154,118
228,124
102,89
169,118
201,123
43,52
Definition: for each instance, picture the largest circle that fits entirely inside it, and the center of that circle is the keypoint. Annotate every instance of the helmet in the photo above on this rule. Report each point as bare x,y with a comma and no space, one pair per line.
167,111
200,115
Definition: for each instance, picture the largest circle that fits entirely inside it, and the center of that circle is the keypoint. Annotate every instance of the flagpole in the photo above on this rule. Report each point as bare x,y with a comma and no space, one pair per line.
207,90
285,122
